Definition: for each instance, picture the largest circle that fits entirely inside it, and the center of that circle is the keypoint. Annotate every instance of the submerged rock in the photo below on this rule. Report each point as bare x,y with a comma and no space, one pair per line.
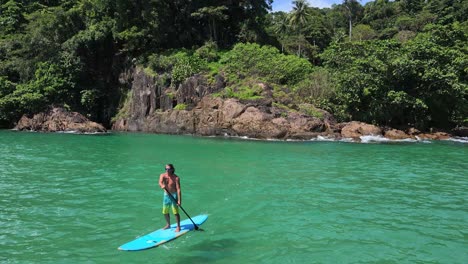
59,120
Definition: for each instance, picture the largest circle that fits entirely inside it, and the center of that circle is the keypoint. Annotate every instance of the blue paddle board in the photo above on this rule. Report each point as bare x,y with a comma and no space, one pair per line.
162,236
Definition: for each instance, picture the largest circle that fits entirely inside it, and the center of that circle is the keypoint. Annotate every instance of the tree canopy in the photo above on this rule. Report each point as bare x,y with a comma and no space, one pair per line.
398,63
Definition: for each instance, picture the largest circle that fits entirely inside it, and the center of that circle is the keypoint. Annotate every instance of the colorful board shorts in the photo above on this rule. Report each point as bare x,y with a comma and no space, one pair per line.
168,203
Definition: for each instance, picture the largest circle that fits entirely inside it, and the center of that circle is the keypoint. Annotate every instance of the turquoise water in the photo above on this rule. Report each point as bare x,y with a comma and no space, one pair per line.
76,198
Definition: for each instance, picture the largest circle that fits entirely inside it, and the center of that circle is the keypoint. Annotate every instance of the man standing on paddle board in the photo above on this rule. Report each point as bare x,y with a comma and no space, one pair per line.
171,182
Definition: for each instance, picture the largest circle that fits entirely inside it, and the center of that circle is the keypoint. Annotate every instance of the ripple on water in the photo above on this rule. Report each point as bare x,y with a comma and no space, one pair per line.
78,198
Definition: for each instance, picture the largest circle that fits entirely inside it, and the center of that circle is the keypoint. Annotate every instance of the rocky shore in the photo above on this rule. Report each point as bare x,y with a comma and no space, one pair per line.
230,117
59,120
152,107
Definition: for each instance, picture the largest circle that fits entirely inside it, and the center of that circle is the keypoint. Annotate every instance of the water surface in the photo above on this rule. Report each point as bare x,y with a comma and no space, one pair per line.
76,198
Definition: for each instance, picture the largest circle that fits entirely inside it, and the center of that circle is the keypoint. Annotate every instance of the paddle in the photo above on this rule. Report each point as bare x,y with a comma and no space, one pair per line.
175,201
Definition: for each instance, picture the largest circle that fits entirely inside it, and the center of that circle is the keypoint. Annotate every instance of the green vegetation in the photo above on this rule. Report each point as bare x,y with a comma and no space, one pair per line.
398,63
421,82
181,65
180,107
265,62
243,92
124,107
310,110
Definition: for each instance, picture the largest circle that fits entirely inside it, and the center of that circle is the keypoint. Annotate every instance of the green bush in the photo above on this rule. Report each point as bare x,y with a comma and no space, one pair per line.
89,98
244,92
209,51
25,99
181,65
6,86
180,107
124,107
420,83
315,86
253,60
49,86
285,109
160,63
310,110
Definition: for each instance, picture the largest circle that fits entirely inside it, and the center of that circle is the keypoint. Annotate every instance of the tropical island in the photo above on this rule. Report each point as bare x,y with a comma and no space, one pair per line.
391,68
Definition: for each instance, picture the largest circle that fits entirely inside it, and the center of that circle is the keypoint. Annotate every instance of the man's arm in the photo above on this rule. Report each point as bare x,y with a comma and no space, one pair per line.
161,181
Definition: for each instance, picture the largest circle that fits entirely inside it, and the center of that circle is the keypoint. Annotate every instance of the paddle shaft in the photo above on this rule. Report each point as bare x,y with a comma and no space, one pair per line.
175,201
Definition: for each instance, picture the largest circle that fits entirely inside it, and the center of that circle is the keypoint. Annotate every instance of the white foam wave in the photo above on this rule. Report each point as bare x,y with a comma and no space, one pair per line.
291,140
369,139
239,137
68,132
322,138
459,139
363,139
418,139
380,139
96,133
75,132
272,139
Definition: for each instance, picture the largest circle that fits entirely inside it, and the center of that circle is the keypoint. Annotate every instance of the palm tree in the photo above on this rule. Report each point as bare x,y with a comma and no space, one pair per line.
282,28
299,17
350,6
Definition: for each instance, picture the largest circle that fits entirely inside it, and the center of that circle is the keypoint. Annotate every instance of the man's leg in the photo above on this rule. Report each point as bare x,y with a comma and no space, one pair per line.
177,217
168,221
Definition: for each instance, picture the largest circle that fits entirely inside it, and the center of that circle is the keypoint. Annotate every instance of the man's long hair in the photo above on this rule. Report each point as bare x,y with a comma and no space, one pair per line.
172,167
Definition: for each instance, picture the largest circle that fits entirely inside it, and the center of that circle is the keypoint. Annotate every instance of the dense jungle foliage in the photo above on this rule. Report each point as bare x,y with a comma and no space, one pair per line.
398,63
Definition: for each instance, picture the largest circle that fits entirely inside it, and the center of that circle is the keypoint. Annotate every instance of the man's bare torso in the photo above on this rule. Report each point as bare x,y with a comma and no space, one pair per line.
170,182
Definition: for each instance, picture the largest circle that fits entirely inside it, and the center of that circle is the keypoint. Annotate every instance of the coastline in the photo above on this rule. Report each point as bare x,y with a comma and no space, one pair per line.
150,108
368,139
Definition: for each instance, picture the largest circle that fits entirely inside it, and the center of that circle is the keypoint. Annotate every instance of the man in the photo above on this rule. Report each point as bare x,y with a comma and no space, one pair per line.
171,182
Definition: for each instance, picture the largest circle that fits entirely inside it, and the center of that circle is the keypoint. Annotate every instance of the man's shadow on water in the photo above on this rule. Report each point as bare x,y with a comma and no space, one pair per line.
209,251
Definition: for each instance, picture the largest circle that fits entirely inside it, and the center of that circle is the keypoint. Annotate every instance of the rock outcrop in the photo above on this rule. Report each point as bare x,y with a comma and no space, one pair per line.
356,129
396,134
460,131
434,136
152,107
215,116
59,120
